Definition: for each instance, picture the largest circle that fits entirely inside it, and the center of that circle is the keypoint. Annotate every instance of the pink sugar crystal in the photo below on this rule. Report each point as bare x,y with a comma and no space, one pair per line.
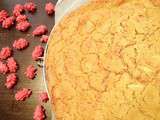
30,6
50,8
23,26
12,65
21,18
20,44
37,52
5,53
3,15
40,30
39,113
11,80
43,97
18,9
23,94
44,39
3,68
8,22
30,72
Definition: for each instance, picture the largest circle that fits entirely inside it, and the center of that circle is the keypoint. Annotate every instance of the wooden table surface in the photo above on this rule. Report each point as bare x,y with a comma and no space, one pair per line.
10,109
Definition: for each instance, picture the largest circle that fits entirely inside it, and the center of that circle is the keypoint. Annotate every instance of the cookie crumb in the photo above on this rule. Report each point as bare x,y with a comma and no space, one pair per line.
23,94
43,97
3,68
11,80
39,113
5,53
18,9
23,26
30,72
40,30
30,7
3,15
44,39
12,65
37,52
50,8
21,18
8,22
20,44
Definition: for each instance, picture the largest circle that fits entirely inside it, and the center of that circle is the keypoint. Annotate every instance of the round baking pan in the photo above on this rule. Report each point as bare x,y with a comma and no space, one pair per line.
63,7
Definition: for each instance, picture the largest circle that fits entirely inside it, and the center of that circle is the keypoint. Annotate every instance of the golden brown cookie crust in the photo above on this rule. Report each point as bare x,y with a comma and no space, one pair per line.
103,62
156,2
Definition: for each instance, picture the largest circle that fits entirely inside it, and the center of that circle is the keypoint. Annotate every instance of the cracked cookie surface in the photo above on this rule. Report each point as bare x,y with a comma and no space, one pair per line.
103,62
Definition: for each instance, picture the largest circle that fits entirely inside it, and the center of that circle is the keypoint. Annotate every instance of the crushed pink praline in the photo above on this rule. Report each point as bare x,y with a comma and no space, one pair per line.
39,113
3,15
12,65
50,8
43,97
30,72
20,44
23,94
11,80
8,22
44,39
37,52
3,68
23,26
5,53
21,18
30,6
18,9
40,30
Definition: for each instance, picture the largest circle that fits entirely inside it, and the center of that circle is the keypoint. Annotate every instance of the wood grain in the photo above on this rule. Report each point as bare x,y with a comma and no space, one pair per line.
10,109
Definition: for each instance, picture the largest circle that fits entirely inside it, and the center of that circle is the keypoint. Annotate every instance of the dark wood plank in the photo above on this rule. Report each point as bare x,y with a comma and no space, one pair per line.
10,109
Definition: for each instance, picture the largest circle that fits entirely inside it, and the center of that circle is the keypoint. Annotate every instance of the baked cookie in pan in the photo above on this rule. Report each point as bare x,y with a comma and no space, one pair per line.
103,62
